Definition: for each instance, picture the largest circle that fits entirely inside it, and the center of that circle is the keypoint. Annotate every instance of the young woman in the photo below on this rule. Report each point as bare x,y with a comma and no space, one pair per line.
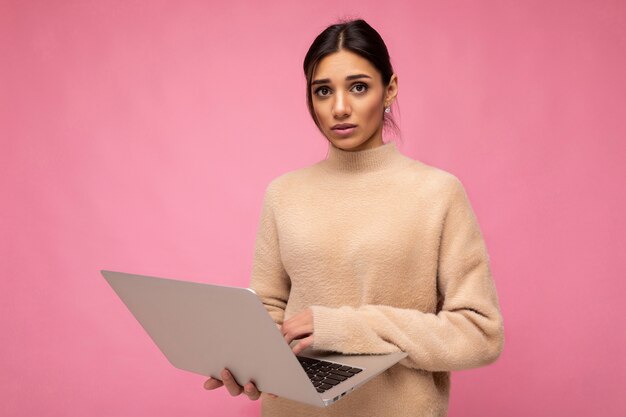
369,251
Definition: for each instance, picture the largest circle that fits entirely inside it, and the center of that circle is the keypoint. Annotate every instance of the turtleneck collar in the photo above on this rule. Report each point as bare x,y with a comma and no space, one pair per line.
375,159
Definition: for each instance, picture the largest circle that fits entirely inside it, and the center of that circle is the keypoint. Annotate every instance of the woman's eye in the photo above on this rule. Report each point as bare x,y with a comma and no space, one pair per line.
322,91
360,88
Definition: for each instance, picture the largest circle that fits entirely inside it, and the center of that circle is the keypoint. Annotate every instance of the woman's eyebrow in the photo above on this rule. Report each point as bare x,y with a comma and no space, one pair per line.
348,78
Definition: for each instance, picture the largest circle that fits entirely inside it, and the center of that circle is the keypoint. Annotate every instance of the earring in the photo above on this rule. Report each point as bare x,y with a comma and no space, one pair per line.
387,109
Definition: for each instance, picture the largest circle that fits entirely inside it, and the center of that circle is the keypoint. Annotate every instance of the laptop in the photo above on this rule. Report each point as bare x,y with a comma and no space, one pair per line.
204,328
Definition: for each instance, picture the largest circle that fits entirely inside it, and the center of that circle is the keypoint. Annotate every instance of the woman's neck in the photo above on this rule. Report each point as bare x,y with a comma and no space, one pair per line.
372,159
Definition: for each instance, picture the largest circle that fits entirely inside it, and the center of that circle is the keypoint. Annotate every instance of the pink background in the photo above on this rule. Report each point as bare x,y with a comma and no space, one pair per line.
140,136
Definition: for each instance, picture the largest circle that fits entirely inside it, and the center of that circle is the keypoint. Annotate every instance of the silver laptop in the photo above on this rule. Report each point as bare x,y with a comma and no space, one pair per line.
204,328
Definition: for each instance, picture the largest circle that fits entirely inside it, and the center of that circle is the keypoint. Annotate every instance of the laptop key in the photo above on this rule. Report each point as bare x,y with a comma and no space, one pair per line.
337,377
325,386
342,373
330,381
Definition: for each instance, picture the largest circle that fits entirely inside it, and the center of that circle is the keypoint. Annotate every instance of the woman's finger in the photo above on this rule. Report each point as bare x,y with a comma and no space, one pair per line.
212,383
298,326
303,344
251,391
231,385
296,333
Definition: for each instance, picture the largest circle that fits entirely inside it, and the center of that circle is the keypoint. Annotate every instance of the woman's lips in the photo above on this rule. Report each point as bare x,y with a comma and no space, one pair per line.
344,132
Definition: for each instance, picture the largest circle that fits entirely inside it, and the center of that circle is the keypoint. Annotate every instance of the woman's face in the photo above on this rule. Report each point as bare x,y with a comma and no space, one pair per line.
347,89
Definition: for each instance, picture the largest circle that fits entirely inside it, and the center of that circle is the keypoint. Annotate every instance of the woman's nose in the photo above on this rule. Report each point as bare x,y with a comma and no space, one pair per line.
341,106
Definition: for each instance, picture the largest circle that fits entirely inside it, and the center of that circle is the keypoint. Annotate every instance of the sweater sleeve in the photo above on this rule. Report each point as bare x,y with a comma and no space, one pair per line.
466,331
269,279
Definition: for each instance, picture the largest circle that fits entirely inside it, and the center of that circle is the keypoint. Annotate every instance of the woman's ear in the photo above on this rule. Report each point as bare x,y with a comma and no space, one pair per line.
392,89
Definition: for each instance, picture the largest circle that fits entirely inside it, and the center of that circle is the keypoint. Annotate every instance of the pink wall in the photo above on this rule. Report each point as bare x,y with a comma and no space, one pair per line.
140,136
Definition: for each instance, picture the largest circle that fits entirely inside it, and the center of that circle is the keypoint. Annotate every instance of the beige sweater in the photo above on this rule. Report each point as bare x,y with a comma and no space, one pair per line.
388,253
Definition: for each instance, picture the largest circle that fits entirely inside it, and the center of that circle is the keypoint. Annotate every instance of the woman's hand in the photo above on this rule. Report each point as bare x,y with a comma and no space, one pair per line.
299,327
233,387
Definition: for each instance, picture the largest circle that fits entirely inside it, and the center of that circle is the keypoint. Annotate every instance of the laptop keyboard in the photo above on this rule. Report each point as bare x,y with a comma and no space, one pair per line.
325,375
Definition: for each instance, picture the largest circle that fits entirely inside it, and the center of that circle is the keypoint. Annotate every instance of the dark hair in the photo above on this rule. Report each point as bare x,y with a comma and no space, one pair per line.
356,36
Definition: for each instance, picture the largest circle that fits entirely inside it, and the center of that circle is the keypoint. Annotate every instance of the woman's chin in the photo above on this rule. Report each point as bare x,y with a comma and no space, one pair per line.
343,147
352,144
